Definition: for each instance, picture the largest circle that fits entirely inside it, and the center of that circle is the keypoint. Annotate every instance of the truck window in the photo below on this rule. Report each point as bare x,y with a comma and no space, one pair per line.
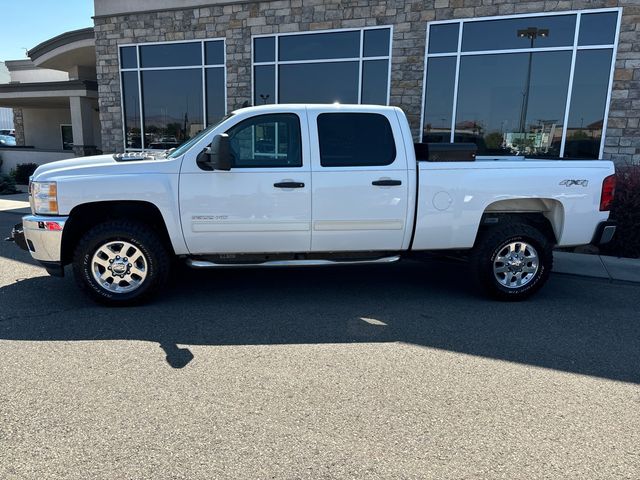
267,141
355,140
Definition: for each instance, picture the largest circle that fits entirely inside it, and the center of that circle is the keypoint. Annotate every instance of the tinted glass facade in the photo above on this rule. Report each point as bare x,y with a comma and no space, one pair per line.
345,66
533,85
171,91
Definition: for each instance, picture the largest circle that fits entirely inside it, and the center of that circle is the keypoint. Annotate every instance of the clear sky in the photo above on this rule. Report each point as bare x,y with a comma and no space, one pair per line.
26,23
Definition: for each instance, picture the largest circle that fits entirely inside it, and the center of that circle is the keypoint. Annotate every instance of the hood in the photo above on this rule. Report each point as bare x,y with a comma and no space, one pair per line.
99,165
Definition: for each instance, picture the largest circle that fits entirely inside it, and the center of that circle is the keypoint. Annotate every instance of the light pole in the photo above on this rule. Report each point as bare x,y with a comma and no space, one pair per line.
531,33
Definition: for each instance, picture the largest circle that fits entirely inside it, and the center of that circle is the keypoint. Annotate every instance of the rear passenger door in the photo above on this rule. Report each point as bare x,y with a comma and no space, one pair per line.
359,181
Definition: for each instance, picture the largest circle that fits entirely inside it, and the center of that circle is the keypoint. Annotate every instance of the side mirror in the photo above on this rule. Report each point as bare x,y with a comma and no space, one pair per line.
217,156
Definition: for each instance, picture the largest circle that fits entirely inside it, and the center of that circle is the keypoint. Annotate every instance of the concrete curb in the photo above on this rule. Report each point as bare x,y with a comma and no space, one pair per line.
598,266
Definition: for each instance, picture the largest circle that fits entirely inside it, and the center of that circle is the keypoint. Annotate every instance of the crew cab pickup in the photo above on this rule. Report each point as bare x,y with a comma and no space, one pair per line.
285,185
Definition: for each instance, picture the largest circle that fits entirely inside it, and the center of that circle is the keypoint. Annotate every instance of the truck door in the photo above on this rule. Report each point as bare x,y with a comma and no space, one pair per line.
263,204
360,181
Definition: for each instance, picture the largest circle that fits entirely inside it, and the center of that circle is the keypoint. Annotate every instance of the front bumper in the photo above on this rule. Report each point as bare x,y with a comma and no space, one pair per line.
604,232
44,236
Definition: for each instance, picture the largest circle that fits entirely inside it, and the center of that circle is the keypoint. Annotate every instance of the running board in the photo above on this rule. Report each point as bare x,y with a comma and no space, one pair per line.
193,263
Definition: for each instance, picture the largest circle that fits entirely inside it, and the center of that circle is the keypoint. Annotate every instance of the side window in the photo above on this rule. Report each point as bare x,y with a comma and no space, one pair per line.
355,140
267,141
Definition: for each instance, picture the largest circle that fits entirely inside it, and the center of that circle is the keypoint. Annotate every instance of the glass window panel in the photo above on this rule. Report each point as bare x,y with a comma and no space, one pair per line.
598,28
264,84
588,102
214,53
264,49
66,131
131,105
513,104
443,38
376,42
375,76
215,88
318,83
438,101
171,55
172,106
528,32
267,141
355,140
128,57
319,46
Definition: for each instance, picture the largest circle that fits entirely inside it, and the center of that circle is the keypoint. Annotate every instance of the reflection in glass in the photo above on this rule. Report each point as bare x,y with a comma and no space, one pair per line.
598,28
267,141
374,82
438,102
171,55
264,49
215,89
376,42
319,82
214,52
128,57
504,34
131,105
264,84
501,115
319,46
588,101
443,38
172,106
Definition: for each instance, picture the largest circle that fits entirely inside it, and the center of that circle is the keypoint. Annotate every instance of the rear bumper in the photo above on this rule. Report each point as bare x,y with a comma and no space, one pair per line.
604,232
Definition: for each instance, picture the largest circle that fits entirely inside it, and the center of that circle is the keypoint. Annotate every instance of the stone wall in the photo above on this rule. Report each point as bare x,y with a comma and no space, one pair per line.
18,125
238,21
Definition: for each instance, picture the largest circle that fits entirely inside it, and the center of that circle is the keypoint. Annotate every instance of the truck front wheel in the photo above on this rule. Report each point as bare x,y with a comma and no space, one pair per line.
512,261
120,263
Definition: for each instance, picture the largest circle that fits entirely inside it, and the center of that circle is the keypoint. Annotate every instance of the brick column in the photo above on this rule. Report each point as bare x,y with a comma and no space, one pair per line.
18,124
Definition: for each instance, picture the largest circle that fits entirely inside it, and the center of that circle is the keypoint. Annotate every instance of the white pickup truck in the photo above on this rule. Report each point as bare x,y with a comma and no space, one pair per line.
285,185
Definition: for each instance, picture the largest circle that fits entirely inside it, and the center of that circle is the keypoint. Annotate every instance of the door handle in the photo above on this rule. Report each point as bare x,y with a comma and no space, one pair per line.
289,185
386,183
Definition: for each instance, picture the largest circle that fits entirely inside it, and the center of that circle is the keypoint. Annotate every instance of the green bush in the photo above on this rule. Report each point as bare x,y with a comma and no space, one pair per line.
23,171
7,184
626,211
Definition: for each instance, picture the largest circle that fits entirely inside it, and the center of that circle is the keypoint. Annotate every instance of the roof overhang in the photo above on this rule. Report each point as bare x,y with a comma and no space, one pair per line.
45,94
66,51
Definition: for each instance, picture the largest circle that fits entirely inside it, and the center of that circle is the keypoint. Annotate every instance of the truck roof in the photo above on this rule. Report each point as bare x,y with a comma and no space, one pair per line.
325,107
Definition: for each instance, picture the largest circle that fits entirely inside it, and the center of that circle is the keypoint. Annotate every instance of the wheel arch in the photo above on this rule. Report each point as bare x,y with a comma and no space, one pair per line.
546,214
87,215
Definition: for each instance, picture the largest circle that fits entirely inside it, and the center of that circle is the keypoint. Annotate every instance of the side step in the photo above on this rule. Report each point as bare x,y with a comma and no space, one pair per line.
193,263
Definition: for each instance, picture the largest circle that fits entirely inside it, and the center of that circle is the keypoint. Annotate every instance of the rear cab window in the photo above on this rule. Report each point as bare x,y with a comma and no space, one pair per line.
355,139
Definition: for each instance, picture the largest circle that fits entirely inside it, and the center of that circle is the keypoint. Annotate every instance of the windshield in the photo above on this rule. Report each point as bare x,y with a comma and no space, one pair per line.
191,142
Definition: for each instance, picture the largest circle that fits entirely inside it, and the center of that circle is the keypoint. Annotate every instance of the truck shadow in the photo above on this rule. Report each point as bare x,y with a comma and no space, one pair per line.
575,324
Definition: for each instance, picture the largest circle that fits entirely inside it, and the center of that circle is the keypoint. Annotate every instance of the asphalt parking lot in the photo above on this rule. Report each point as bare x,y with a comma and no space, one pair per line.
398,371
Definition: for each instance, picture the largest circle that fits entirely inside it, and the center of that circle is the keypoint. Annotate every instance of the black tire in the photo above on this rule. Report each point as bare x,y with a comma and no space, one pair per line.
144,238
492,242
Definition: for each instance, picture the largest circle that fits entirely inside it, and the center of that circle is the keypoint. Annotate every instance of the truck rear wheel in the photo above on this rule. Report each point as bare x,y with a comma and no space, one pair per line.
512,261
121,263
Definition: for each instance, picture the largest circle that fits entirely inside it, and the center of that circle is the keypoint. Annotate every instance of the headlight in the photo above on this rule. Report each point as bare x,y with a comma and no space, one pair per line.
45,198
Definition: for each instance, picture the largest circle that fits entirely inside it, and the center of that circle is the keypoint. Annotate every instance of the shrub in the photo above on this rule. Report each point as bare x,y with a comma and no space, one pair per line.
626,211
23,171
7,184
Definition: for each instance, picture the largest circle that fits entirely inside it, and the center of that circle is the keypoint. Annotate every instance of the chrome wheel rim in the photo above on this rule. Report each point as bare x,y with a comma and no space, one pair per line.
119,267
516,264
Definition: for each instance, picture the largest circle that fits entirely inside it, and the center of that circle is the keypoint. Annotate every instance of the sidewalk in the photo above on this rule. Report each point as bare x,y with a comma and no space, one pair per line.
600,266
18,203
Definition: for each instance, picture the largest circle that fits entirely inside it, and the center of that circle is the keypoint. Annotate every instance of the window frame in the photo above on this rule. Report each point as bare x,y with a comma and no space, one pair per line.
254,118
574,49
360,59
139,69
